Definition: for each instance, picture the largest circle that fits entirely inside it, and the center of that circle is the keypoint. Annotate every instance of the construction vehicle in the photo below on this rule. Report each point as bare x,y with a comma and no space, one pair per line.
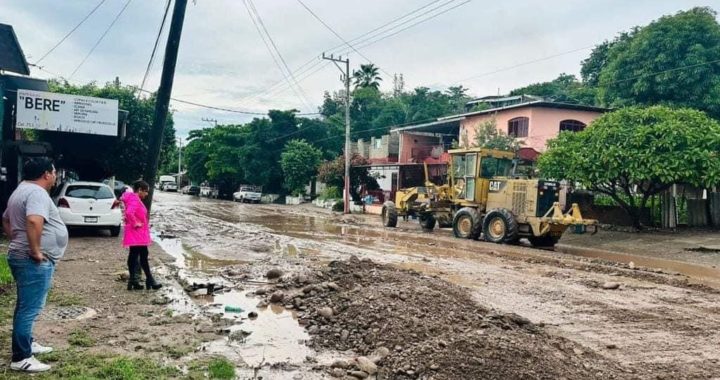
484,198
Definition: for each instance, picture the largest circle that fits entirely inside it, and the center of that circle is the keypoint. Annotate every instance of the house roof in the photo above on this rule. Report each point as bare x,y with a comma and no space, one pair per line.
442,124
538,103
438,126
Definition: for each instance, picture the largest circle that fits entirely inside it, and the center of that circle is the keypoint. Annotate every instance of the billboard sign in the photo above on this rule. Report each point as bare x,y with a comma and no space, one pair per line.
49,111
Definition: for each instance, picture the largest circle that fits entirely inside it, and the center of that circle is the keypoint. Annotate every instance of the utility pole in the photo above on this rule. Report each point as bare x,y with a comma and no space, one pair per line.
346,78
163,96
179,162
214,121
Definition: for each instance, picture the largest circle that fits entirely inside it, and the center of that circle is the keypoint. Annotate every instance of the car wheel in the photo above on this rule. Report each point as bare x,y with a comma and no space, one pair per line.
115,231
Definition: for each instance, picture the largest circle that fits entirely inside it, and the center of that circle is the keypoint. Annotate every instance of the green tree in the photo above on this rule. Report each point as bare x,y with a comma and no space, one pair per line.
565,89
299,161
97,157
487,135
593,65
367,77
634,153
332,173
672,61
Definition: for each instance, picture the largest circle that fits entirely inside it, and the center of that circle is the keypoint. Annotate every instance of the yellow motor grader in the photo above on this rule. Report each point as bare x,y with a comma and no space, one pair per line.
482,197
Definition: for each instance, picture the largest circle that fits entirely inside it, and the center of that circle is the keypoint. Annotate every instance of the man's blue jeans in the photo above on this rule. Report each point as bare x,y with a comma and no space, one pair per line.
33,283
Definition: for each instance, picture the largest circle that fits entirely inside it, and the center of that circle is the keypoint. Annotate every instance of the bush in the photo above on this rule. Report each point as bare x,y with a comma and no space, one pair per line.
221,368
338,206
331,192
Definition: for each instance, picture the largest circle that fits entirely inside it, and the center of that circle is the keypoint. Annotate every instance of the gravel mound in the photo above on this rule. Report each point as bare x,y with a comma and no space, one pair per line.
412,326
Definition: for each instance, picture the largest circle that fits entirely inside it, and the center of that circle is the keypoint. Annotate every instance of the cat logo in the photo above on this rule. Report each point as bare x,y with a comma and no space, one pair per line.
495,186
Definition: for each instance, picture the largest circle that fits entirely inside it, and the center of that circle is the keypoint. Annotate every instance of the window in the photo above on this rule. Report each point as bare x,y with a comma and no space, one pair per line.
518,127
571,125
89,192
495,167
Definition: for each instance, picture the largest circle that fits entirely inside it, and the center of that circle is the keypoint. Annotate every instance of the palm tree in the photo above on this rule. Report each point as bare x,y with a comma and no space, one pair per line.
367,76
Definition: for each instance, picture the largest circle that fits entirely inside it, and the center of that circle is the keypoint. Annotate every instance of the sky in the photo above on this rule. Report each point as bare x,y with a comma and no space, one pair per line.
489,47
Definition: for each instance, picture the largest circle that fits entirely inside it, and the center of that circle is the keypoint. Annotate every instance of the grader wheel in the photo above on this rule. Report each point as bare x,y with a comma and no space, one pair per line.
467,223
427,221
500,226
389,214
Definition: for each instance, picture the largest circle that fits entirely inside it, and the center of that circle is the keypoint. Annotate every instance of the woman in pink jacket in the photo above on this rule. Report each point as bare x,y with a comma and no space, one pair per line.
137,235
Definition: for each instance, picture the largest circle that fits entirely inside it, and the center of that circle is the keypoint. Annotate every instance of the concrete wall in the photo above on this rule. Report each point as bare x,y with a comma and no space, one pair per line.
408,142
544,123
384,148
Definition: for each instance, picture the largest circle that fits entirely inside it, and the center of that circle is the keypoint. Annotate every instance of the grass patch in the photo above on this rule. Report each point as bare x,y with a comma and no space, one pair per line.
221,368
80,338
6,277
63,299
75,364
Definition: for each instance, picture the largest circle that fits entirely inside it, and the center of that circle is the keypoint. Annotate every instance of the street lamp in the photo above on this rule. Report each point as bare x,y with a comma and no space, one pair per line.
179,140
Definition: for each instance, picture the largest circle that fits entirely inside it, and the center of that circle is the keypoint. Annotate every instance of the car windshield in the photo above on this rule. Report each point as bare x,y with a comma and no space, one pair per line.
89,192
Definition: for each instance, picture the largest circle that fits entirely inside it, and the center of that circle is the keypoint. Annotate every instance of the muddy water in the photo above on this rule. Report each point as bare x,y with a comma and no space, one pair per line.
650,323
274,336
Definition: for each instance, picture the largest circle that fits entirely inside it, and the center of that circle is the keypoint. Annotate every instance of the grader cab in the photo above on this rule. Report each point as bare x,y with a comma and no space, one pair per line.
484,197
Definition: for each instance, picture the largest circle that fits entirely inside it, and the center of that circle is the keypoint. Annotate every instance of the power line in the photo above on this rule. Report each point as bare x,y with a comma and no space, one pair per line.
278,85
416,23
289,76
101,37
337,35
525,63
157,42
70,32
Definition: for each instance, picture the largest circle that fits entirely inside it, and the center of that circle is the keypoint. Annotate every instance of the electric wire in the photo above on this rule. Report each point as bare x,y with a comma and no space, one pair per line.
70,32
338,35
157,42
272,47
317,61
101,38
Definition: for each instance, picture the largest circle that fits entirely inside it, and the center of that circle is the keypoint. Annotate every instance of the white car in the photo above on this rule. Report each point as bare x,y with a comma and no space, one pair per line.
169,186
89,204
248,193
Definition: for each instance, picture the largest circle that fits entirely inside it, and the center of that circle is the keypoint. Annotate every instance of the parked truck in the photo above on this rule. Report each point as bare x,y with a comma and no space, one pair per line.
248,193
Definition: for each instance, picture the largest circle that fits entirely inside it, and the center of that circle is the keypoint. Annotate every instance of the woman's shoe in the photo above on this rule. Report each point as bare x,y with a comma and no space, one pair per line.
154,286
134,286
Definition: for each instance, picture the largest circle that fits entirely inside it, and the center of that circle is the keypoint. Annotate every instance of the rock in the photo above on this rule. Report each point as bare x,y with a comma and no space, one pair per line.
434,367
308,289
379,354
261,291
359,374
252,315
631,265
274,274
325,312
337,372
611,346
312,330
340,364
277,297
366,365
344,335
333,286
518,319
610,285
301,279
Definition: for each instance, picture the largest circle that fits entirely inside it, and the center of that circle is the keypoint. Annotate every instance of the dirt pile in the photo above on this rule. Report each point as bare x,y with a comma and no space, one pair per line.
418,327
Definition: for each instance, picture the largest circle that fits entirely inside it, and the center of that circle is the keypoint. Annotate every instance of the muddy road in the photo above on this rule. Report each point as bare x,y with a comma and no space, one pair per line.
651,323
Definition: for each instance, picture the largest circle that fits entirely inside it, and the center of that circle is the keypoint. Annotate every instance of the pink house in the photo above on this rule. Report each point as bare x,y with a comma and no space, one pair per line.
532,123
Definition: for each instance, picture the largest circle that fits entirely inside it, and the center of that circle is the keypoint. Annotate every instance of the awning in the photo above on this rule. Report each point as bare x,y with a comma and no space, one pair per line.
449,126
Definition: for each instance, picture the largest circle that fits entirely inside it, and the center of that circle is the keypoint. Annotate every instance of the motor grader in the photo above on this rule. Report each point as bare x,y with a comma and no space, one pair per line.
484,198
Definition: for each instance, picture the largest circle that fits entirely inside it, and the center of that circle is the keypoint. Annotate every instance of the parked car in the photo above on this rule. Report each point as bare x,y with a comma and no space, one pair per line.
89,204
168,186
248,193
190,190
119,189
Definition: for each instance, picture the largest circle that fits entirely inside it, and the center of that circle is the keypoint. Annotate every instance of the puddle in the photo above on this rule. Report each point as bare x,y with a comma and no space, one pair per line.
273,337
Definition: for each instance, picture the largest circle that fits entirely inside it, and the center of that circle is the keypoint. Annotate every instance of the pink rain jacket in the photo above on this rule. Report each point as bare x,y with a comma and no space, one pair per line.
135,213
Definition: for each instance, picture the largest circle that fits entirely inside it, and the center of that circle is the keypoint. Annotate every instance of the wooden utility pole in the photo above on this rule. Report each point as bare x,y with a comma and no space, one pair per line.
346,78
163,96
